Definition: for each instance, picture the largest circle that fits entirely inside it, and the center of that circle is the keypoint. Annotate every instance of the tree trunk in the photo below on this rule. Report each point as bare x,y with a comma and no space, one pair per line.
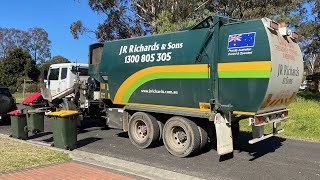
154,14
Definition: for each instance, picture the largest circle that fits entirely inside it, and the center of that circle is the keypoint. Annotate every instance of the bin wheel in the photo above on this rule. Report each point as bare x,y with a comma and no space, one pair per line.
52,144
26,129
143,130
66,147
36,131
181,136
22,138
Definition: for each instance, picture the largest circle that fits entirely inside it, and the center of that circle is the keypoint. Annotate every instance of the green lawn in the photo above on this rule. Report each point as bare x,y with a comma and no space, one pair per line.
304,121
16,155
19,96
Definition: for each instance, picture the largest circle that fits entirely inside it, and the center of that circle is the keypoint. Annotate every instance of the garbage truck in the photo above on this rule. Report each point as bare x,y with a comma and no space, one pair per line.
180,88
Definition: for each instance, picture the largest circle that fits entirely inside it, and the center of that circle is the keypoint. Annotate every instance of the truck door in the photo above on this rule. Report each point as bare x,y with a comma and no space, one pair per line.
63,79
53,80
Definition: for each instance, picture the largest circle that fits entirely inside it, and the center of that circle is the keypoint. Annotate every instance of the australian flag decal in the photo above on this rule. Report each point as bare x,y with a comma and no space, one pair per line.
241,40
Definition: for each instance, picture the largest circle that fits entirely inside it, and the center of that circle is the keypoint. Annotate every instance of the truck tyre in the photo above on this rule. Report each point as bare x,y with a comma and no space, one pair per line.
143,130
181,136
160,124
203,137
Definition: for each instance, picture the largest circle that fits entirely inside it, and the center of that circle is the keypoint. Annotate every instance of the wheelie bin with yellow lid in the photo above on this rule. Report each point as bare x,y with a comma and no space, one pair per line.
64,127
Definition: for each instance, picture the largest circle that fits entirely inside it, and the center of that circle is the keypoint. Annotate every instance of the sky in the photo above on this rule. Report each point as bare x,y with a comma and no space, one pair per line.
54,16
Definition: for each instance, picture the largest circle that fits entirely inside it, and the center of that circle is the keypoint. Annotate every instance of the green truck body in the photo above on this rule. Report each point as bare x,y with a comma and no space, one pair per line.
244,67
185,86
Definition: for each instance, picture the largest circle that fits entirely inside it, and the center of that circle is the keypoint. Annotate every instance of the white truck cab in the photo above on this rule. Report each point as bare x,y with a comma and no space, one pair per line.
62,76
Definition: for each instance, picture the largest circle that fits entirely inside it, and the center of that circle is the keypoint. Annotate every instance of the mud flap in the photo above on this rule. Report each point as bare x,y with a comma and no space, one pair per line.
224,134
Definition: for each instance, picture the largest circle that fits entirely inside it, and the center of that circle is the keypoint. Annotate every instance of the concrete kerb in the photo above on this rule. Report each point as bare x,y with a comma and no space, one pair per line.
124,166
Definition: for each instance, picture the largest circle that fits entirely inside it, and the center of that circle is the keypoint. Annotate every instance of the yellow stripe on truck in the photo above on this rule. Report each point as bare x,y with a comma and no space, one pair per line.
118,99
169,107
244,113
255,69
238,66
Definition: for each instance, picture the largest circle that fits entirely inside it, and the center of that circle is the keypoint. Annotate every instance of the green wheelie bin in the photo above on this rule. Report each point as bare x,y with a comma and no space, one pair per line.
35,121
33,106
19,125
64,127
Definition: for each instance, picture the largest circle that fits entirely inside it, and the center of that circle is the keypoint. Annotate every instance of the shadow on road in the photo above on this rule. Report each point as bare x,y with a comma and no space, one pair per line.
87,123
241,145
48,140
86,141
34,136
259,149
123,135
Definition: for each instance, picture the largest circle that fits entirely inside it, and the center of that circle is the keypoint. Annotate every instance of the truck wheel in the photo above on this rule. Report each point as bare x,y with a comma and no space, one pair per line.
203,137
181,136
143,130
160,124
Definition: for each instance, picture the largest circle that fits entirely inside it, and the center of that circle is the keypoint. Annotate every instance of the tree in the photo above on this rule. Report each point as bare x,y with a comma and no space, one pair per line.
311,62
287,11
56,60
17,66
249,9
310,37
128,18
35,40
120,20
9,39
38,44
188,14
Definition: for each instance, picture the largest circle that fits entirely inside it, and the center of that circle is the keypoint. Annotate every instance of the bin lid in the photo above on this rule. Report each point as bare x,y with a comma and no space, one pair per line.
63,113
15,112
33,97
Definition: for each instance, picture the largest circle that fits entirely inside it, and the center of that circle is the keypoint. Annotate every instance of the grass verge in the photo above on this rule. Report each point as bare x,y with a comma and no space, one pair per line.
304,121
16,155
19,96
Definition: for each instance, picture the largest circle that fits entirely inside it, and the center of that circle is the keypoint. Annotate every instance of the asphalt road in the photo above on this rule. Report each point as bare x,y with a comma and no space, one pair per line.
275,158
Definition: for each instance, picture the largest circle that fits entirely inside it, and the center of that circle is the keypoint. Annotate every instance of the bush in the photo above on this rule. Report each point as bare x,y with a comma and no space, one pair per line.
309,95
12,89
32,87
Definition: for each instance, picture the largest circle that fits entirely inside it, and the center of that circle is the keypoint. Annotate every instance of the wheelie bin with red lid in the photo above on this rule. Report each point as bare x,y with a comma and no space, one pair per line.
35,117
18,125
